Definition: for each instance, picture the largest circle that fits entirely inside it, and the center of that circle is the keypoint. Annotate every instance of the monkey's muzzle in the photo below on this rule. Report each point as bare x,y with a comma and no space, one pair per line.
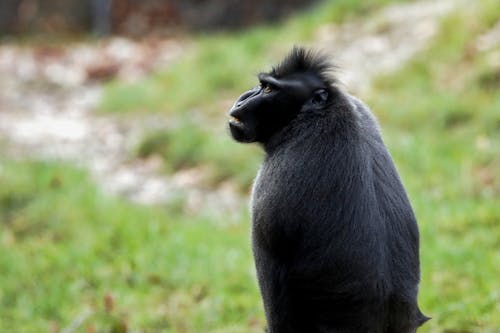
235,121
240,131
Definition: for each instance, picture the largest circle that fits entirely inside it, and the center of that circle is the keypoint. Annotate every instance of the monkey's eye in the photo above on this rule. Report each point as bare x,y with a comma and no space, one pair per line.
267,87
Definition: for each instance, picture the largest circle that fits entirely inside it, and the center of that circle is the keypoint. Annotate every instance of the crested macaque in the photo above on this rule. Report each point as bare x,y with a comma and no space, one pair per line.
335,239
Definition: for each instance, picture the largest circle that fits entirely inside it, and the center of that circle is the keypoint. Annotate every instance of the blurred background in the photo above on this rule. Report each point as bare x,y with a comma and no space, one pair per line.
123,201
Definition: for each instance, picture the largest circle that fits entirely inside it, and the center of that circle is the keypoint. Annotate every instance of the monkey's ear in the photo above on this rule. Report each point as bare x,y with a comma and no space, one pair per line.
320,96
318,99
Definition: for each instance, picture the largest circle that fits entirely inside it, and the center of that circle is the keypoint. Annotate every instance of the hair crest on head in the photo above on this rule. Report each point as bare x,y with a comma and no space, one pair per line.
300,60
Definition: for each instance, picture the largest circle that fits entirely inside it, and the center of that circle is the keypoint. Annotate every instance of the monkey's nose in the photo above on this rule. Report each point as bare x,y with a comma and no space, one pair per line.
235,112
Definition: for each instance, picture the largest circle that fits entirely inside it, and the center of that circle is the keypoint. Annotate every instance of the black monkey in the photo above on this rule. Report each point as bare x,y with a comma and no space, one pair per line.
335,240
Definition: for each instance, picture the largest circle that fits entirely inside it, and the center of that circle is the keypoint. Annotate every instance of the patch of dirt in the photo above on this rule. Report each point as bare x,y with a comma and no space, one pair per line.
382,42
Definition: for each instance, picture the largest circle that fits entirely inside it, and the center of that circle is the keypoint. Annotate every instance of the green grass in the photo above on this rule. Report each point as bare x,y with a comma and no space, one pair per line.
66,249
442,123
188,145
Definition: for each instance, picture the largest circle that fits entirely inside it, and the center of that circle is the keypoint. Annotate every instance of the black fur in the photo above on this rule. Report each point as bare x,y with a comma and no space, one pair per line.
335,240
299,61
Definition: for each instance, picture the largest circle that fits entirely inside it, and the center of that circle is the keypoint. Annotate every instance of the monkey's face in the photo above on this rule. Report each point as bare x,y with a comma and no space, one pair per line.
245,115
269,107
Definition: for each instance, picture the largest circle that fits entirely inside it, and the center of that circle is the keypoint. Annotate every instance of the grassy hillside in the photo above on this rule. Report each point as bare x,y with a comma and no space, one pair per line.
69,255
441,119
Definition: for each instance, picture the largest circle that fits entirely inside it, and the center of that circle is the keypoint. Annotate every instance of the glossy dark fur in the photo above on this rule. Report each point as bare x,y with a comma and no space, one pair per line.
335,240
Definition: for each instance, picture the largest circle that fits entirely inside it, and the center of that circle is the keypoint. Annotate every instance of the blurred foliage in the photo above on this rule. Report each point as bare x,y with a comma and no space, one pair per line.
68,252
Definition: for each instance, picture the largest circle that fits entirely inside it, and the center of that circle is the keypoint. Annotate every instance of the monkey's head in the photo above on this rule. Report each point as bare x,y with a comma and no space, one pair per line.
300,83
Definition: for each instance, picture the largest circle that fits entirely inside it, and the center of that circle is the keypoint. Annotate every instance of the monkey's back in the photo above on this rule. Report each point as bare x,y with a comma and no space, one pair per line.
330,211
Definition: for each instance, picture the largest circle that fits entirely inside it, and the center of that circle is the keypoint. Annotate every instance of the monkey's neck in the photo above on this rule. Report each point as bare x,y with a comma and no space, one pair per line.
299,130
330,129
